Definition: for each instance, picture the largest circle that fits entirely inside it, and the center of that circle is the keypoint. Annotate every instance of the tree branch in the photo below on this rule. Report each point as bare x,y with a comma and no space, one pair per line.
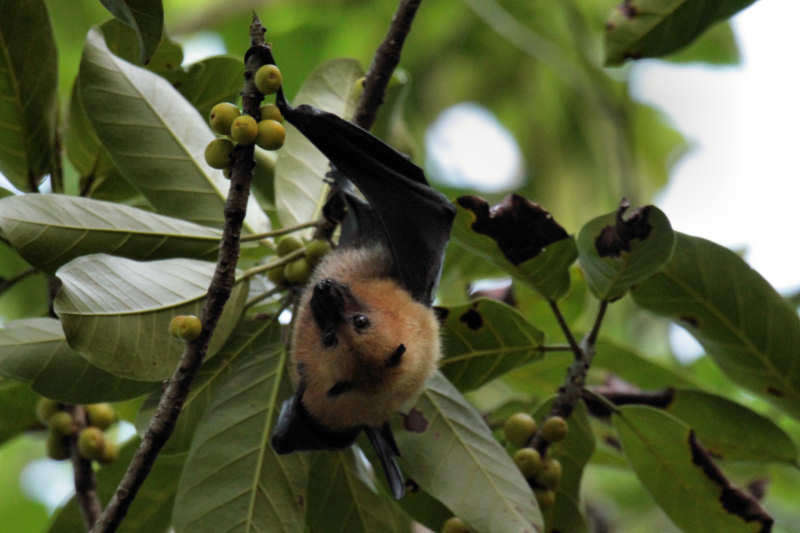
169,407
6,284
383,64
83,475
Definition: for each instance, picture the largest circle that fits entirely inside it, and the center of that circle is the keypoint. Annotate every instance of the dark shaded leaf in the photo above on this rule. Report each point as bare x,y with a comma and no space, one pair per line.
146,17
17,408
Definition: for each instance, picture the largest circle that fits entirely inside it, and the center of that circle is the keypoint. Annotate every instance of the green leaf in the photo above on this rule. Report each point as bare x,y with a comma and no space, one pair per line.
155,138
547,271
635,368
35,351
150,510
29,296
300,189
28,84
342,497
424,508
617,252
717,46
17,408
458,461
484,340
51,230
116,311
652,28
741,321
123,41
208,82
146,17
233,480
573,453
663,453
720,425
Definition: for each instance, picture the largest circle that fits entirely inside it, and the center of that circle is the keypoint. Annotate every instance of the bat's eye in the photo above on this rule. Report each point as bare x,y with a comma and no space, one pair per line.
340,388
396,357
361,322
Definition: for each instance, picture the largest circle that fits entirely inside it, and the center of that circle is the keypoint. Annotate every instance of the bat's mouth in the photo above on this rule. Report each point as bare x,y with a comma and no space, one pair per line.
328,304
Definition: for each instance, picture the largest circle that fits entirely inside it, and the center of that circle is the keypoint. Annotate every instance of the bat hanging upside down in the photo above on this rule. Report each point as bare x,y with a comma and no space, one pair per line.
365,337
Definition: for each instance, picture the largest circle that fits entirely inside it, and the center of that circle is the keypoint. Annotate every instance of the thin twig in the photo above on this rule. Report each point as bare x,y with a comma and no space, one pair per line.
282,231
169,406
383,64
83,475
591,338
565,328
10,282
288,258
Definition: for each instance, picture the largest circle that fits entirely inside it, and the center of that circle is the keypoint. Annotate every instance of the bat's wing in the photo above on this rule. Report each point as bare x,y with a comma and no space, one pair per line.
385,446
412,219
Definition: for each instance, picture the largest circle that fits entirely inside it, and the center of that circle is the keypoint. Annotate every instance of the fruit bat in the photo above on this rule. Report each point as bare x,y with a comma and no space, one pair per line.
365,337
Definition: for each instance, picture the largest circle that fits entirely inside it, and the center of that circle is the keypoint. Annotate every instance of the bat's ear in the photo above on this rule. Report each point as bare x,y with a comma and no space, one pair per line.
297,430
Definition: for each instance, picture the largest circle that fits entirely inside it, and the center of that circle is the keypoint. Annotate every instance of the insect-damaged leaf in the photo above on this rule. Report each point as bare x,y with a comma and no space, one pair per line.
679,474
651,28
51,230
28,84
519,237
458,461
116,311
156,139
484,340
617,252
146,17
35,351
233,480
741,321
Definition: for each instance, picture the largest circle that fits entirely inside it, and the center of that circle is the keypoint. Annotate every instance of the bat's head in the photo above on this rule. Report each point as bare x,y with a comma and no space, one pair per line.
363,348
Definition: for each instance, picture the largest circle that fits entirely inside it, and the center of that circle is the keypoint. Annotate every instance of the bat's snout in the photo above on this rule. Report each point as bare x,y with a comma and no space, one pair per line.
328,307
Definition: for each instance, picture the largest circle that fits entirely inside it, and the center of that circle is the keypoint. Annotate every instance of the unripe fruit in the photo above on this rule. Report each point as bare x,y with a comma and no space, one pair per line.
554,429
529,462
186,327
276,276
550,474
221,117
271,134
268,79
218,153
545,497
455,525
109,454
271,112
57,447
100,415
297,272
288,245
62,423
316,250
244,130
519,428
358,88
227,172
45,408
91,442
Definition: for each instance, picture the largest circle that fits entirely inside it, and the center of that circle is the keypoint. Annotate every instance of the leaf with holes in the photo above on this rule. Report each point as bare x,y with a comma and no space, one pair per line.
145,17
28,83
485,339
233,480
116,312
652,28
679,474
34,350
618,251
458,461
51,230
155,138
741,321
300,189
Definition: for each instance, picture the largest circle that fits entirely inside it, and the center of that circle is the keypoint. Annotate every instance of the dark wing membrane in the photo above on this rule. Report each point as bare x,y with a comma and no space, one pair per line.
385,446
413,219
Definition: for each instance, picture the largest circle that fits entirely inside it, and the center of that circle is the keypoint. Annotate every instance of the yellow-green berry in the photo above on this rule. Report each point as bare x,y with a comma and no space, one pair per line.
358,87
100,415
221,117
287,245
271,112
57,446
529,462
218,153
297,272
45,408
244,130
109,454
550,473
545,497
519,428
62,423
554,429
227,172
316,250
91,441
271,134
455,525
186,327
275,275
268,79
